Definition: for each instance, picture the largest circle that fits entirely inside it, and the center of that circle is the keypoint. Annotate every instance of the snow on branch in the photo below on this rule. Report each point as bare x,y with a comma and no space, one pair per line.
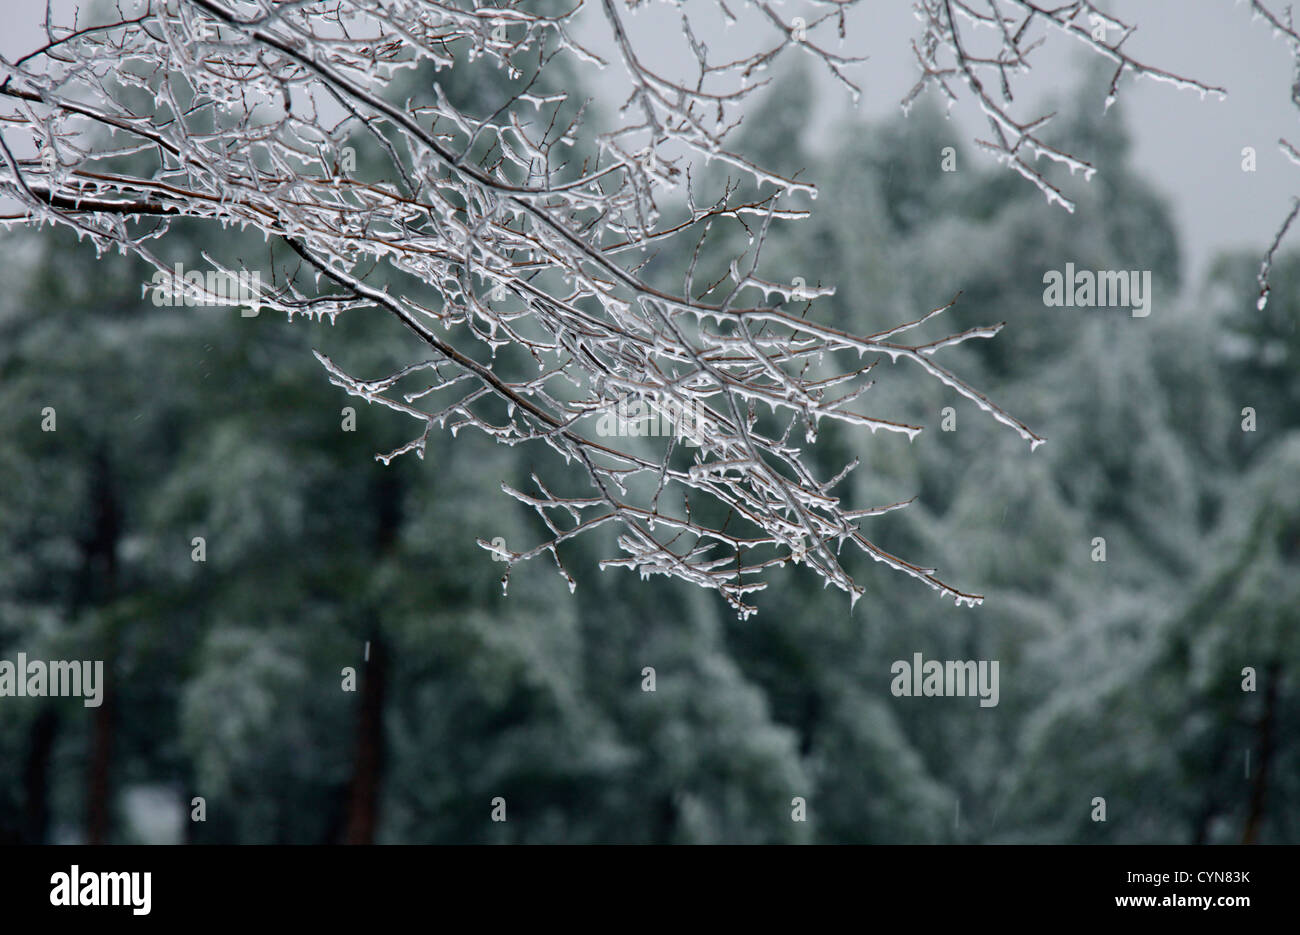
512,242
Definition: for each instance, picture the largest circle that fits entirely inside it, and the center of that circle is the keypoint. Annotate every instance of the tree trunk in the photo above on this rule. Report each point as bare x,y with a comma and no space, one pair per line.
36,778
363,792
368,763
1259,783
99,790
98,587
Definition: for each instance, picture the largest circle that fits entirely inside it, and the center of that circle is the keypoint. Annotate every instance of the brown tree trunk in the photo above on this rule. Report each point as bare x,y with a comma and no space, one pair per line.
99,789
368,763
1259,783
367,771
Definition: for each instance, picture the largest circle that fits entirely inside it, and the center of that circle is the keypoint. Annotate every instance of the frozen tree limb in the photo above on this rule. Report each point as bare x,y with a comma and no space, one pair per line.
979,45
1284,27
531,253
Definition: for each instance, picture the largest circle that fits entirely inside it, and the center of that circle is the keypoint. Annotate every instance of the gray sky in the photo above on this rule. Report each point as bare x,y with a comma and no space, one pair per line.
1189,148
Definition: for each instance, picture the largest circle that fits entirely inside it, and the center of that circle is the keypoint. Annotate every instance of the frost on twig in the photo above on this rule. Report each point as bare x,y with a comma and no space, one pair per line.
522,235
983,45
1283,27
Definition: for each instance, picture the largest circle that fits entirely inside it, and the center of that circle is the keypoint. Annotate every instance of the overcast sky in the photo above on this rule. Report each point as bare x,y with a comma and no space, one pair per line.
1189,148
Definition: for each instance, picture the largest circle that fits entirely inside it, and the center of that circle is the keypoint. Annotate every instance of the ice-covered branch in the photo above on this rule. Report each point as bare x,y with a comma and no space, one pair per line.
509,237
982,45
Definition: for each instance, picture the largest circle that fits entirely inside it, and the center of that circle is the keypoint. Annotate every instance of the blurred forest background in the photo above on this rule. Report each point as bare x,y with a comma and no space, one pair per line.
1120,679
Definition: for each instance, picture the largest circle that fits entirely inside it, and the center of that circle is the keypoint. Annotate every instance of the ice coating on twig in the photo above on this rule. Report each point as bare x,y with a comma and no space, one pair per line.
513,231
